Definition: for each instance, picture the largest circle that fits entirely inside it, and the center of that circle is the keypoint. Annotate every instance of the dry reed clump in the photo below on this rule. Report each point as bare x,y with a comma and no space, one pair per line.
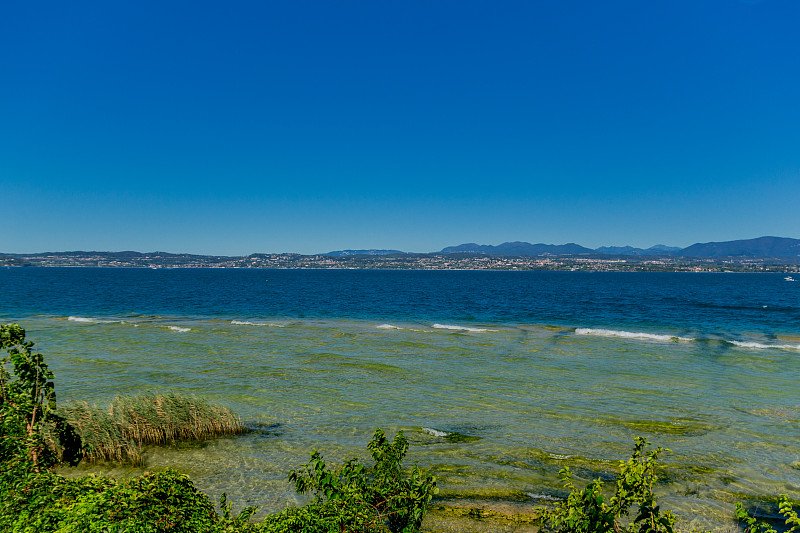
119,433
102,437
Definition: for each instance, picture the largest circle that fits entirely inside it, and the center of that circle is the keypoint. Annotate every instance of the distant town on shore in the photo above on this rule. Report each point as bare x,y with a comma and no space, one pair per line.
763,254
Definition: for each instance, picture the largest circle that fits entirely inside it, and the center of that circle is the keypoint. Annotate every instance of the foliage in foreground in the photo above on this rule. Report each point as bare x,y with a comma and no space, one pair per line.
385,492
166,501
588,511
352,498
752,525
31,431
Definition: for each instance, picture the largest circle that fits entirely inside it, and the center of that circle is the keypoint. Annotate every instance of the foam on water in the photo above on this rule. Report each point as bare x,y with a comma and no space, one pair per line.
388,326
461,328
630,335
435,432
90,320
179,329
761,346
250,323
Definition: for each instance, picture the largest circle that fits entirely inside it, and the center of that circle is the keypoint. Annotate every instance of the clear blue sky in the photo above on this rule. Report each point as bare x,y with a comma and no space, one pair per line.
309,126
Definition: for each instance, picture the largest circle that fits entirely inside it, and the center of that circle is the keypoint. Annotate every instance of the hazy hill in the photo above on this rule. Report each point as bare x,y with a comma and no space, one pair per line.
518,248
658,249
663,249
343,253
760,247
763,247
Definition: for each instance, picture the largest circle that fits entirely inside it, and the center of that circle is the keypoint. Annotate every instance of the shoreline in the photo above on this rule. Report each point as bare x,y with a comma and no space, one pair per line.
413,262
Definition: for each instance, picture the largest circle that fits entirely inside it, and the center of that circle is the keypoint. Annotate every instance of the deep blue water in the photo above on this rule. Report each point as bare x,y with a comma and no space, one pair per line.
706,303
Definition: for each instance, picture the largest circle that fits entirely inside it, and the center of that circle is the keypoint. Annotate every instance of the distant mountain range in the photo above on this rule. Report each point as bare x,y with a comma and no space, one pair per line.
782,249
526,248
344,253
518,248
761,247
658,249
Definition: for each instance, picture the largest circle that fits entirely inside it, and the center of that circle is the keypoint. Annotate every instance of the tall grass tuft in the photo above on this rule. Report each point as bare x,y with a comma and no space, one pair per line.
118,433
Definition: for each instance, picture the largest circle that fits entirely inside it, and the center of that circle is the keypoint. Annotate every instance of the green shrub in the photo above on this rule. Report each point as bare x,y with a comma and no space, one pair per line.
372,496
31,431
587,511
351,498
161,502
752,525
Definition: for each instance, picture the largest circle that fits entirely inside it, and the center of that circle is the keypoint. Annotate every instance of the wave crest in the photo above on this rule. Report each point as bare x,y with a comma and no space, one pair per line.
761,346
461,328
630,335
251,323
90,320
435,432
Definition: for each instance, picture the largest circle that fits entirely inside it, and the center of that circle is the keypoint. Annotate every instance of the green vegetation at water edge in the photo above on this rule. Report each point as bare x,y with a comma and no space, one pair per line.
35,436
119,432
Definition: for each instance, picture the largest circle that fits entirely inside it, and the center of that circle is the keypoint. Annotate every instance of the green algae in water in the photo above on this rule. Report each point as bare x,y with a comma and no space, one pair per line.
485,494
478,517
670,427
460,437
446,436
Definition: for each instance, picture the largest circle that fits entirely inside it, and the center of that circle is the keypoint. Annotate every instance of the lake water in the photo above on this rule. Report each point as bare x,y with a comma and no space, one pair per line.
526,372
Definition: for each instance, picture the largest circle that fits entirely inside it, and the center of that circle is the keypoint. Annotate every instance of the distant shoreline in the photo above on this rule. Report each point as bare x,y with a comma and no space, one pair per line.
432,261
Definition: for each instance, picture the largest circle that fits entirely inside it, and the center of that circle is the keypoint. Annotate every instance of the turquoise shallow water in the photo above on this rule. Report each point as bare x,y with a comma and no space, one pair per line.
535,395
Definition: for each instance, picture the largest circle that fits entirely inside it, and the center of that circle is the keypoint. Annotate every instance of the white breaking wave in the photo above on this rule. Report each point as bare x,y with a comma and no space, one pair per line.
630,335
461,328
181,330
388,326
249,323
435,432
81,319
760,346
89,320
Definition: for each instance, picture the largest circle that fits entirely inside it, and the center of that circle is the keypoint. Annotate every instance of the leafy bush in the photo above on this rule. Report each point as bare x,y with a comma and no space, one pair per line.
382,493
752,525
154,502
31,431
586,511
351,498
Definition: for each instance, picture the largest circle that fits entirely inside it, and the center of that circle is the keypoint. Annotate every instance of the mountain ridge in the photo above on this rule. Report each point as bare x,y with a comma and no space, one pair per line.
762,247
519,248
371,251
759,247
